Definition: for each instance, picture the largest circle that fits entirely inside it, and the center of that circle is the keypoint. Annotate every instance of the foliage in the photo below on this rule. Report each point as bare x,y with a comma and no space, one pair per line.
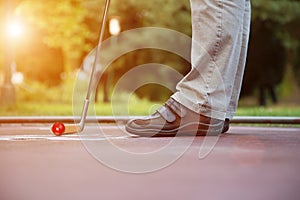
72,25
63,24
273,48
62,21
286,13
282,11
32,91
69,30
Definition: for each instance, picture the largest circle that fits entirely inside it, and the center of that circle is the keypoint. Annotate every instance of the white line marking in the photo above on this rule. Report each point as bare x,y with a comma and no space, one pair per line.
55,138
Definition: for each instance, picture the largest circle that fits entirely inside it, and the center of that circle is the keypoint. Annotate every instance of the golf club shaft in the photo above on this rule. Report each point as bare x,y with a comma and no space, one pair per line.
101,35
78,127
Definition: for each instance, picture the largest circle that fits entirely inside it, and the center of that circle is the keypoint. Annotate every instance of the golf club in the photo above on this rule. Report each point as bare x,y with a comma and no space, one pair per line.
58,128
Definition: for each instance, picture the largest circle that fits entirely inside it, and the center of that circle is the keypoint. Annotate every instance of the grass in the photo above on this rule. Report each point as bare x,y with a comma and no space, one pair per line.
37,99
37,109
281,110
141,107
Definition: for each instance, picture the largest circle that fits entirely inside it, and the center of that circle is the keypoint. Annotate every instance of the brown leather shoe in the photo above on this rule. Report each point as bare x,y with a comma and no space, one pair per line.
167,122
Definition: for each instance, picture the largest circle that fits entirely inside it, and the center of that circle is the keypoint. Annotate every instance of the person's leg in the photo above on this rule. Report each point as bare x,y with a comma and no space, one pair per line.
216,52
200,104
238,79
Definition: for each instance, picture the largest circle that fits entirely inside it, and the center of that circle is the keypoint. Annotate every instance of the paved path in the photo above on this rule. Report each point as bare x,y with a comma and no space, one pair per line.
247,163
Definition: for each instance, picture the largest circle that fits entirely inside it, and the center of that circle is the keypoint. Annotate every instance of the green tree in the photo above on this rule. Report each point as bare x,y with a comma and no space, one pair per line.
285,15
63,24
170,14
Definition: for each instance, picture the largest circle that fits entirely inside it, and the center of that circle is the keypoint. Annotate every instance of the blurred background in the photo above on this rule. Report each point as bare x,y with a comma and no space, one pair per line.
44,43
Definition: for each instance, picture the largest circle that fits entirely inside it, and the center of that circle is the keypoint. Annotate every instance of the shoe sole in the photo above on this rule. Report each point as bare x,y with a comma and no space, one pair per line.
186,130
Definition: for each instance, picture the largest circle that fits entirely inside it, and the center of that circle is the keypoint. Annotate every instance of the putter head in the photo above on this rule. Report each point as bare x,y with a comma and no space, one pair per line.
59,128
72,128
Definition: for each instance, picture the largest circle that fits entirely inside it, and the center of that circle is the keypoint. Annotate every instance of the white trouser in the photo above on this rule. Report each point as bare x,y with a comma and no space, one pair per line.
219,47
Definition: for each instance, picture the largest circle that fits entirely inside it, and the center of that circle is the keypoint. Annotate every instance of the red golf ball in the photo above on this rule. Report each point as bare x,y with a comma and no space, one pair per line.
58,128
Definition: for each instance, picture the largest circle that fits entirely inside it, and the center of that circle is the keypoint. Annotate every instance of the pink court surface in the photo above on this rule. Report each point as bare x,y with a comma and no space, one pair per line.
261,163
